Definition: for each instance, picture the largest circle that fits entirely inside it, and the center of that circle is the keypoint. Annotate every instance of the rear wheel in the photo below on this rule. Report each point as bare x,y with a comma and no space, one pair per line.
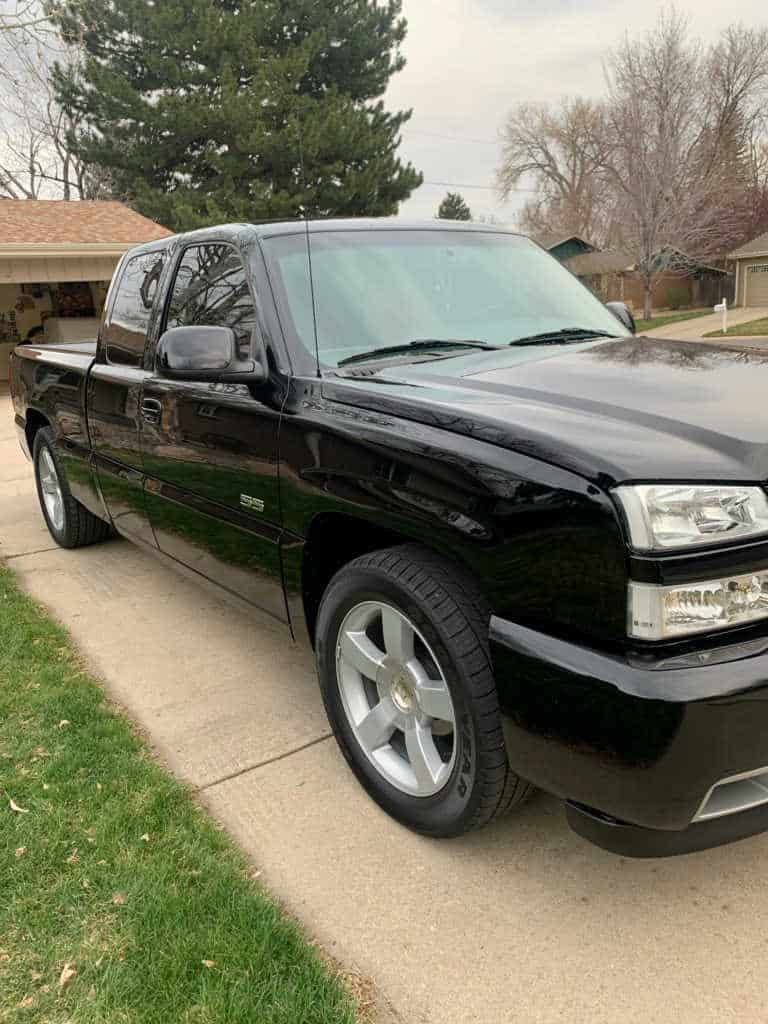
69,523
406,679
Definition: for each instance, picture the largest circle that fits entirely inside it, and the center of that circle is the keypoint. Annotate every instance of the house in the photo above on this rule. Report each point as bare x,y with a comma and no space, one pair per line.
682,282
752,272
564,247
609,274
612,275
56,262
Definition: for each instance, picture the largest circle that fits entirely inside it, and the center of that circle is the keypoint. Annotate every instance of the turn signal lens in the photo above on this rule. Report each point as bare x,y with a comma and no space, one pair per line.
680,516
656,613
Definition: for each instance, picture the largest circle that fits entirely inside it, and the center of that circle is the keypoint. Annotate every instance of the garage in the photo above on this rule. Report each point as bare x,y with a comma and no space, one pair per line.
756,287
56,262
752,272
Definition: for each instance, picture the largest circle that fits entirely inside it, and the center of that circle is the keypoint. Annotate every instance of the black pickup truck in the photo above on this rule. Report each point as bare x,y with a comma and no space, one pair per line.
529,548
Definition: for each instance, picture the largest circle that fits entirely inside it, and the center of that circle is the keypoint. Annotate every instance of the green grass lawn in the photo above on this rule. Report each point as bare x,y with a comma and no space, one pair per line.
120,900
670,318
754,328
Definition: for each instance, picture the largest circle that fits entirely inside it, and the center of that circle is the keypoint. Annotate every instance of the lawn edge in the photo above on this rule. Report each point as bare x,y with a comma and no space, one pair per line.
369,1004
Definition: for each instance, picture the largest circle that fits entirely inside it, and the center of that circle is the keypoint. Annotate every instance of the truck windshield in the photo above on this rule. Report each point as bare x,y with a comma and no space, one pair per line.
379,289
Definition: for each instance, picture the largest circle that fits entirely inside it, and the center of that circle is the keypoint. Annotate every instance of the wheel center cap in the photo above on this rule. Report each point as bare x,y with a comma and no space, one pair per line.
402,694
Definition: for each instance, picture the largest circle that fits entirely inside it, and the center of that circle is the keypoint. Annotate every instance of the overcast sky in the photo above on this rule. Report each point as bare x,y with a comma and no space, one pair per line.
470,61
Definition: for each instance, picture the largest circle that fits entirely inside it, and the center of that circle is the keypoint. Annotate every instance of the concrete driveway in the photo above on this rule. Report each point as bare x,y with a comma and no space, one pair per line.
521,923
693,330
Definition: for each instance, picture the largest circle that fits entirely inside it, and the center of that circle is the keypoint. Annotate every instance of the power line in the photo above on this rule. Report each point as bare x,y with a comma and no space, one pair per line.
451,138
487,188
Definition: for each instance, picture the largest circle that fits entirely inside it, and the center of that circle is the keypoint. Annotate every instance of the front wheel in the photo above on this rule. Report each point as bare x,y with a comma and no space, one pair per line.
406,679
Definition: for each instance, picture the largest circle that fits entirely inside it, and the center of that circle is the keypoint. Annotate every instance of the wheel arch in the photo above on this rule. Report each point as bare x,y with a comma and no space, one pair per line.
33,422
334,539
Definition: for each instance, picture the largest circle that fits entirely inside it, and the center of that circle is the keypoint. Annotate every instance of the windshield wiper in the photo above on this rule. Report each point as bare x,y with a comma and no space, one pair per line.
562,337
417,345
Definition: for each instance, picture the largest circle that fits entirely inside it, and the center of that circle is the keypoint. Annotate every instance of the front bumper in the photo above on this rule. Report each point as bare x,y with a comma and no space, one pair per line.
635,841
634,745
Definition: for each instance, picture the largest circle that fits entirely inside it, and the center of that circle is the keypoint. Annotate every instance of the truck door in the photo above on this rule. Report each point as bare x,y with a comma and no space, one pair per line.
114,392
210,450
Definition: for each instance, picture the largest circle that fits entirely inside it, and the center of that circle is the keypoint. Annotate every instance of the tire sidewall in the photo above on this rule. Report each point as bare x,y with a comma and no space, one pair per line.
443,813
44,440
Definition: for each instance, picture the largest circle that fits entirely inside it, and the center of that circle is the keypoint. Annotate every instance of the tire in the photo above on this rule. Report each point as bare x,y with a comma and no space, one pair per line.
362,646
69,523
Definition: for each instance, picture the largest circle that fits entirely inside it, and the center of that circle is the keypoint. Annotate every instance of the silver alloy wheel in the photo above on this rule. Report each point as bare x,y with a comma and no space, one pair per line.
396,699
51,488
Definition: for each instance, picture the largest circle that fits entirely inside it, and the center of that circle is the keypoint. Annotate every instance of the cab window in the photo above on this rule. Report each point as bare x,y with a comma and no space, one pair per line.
211,288
125,332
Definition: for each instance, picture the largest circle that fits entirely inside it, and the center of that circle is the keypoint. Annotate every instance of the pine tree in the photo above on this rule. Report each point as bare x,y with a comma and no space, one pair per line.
205,111
453,207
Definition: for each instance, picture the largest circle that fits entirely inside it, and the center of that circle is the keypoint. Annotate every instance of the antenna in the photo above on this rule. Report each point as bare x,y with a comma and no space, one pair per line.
306,235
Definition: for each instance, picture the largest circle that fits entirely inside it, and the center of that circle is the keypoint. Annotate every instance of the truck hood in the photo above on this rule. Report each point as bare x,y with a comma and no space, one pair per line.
613,410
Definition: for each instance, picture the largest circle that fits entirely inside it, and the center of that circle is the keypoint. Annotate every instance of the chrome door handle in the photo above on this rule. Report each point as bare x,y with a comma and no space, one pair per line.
151,409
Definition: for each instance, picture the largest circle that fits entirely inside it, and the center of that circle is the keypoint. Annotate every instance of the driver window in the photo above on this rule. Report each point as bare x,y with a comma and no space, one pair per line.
211,288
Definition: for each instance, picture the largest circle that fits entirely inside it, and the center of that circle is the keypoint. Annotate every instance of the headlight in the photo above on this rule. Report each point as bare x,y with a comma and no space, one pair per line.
656,613
663,516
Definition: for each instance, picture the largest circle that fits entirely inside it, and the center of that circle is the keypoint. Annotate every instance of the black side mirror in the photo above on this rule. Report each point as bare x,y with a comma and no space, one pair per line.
623,313
205,354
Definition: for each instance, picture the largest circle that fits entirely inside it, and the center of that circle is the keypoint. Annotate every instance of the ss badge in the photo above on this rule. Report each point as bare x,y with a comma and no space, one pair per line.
255,504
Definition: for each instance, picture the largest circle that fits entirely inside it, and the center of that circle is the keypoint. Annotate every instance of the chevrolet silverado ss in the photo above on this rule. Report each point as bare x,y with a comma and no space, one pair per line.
528,548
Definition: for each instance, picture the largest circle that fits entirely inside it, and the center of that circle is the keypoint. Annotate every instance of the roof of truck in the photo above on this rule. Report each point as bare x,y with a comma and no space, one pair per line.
288,227
270,229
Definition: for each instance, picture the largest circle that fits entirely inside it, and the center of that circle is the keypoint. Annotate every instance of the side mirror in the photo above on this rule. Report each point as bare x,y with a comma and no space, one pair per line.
623,313
205,354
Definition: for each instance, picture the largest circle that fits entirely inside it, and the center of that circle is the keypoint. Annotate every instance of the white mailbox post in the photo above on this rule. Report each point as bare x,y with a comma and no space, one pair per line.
722,307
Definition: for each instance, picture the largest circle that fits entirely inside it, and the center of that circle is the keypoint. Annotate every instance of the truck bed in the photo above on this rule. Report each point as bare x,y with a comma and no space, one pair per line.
54,348
49,379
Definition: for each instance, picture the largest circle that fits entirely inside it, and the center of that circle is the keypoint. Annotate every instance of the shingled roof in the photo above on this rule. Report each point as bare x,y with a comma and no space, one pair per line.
51,221
608,262
757,247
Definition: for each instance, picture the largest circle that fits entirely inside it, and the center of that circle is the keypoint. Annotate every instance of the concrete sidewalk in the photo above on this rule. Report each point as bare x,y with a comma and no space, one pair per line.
690,330
520,923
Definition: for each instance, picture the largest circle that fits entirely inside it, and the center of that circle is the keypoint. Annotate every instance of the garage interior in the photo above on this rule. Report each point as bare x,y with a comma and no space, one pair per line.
56,261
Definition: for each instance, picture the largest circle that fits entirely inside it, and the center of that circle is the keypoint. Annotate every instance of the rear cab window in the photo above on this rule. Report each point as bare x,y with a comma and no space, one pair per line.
125,329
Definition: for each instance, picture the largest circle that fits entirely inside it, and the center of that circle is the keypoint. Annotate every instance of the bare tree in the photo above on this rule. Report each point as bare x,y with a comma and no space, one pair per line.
678,189
22,16
736,79
36,159
673,164
563,152
756,194
736,83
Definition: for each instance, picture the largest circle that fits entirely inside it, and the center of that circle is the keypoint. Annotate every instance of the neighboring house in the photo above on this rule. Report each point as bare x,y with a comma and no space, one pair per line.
687,283
564,247
56,262
611,274
752,272
608,274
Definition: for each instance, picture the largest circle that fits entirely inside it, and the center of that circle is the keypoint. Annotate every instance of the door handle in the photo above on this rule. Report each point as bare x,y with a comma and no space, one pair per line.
151,409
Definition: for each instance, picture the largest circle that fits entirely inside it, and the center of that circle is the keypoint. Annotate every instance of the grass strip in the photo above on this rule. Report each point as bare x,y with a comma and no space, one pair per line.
672,318
120,899
753,328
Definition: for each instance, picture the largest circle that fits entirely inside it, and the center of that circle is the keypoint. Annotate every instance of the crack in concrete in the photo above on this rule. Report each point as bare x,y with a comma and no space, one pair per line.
27,554
263,764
